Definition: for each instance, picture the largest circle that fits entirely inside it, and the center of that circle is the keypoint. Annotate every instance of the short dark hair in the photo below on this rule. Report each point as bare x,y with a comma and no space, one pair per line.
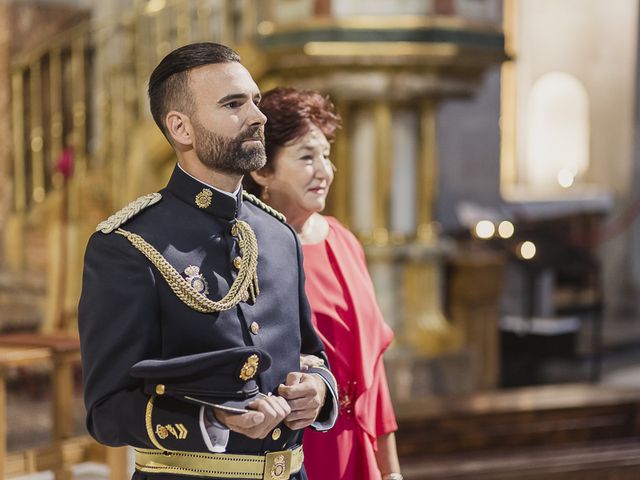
290,114
169,81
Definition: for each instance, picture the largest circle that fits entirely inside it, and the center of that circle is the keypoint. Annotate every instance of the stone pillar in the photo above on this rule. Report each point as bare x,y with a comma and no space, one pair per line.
5,120
387,78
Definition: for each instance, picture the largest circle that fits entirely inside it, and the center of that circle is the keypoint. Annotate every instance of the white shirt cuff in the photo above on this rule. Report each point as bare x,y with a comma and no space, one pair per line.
216,437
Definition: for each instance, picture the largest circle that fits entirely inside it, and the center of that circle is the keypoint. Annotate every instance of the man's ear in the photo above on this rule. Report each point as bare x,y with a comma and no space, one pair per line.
179,127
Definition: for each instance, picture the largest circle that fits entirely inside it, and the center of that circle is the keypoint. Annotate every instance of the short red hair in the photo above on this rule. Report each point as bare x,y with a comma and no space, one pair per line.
290,113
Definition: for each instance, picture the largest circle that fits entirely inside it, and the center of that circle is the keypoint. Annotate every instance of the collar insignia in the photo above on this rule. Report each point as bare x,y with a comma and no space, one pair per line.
203,199
196,279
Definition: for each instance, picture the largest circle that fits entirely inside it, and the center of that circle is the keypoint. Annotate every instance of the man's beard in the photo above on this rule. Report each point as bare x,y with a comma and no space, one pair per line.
230,155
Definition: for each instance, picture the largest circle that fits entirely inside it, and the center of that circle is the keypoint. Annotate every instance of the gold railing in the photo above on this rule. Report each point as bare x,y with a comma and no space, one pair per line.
86,89
48,114
86,92
79,98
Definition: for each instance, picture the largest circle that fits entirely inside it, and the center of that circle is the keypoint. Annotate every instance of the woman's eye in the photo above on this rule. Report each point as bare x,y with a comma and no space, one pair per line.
307,158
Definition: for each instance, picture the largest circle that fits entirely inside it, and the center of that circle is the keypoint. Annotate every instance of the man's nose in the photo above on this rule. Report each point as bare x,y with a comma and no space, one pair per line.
257,117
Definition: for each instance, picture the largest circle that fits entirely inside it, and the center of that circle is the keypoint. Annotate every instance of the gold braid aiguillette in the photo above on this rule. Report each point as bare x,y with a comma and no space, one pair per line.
244,286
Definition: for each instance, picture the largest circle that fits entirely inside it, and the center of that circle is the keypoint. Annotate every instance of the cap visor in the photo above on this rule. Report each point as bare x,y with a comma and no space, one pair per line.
231,406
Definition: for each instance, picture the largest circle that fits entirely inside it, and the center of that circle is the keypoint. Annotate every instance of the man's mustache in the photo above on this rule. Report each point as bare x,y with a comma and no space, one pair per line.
251,133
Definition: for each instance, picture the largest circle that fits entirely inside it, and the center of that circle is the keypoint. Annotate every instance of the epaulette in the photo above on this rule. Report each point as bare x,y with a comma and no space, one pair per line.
260,204
131,210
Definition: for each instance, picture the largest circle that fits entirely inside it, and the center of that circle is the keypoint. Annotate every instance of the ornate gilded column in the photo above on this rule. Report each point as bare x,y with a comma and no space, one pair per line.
387,74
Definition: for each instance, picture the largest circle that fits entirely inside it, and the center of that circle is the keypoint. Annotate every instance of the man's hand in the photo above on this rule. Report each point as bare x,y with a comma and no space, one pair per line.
306,394
266,413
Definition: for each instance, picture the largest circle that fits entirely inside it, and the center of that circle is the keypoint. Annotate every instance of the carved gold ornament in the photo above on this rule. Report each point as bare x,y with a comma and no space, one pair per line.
249,368
203,199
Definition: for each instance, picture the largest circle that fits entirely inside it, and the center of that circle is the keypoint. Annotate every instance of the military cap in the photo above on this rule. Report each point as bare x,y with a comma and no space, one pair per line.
224,379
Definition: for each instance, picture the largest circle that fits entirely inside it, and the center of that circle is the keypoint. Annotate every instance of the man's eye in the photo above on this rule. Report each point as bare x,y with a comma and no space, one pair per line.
232,105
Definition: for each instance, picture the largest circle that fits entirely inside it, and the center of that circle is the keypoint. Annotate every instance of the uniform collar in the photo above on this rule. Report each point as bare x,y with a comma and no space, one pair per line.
203,196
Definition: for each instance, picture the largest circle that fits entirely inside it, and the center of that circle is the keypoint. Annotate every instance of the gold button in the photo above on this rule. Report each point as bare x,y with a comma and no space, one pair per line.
275,435
234,230
237,262
160,389
255,328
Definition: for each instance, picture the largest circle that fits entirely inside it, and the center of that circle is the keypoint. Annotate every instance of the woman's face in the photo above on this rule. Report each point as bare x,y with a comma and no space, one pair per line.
302,174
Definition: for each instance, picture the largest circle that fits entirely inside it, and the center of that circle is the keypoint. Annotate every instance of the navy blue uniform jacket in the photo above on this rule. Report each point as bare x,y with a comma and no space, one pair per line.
128,313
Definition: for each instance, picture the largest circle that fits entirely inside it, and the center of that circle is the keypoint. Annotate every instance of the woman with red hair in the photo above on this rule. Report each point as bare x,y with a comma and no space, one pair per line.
301,125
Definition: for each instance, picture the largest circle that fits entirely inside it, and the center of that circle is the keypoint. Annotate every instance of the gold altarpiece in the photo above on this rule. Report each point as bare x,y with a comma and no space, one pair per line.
84,93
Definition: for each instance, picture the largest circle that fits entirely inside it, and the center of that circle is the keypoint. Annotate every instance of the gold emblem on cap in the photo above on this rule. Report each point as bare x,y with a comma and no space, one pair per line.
196,279
160,389
203,199
237,263
255,327
249,368
275,435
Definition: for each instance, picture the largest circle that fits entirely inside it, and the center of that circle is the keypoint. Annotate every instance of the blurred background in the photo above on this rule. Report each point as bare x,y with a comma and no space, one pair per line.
489,161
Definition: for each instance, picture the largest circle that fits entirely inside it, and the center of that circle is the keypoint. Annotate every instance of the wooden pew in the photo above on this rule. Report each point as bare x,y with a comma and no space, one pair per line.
61,353
529,433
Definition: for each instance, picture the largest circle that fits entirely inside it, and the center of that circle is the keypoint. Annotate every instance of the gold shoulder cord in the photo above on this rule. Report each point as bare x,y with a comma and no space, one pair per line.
260,204
245,285
128,212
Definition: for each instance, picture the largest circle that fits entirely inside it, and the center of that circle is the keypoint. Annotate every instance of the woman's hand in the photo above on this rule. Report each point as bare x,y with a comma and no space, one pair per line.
310,361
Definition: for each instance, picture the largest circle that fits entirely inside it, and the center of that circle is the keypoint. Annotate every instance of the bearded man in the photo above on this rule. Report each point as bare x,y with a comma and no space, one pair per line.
193,318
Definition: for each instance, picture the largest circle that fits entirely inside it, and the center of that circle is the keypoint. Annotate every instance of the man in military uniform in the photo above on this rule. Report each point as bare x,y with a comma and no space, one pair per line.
196,268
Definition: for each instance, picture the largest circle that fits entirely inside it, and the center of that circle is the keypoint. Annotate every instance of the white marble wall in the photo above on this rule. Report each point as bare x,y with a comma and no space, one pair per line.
593,41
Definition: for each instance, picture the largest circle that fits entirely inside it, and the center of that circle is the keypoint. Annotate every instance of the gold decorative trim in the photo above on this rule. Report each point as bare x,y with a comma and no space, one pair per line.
390,22
260,204
392,49
244,286
220,465
149,424
128,212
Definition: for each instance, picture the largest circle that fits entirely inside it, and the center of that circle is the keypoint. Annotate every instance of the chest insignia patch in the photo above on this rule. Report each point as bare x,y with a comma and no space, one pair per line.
196,279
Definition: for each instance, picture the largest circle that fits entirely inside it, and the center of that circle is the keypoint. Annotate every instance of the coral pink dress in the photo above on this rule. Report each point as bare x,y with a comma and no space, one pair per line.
347,317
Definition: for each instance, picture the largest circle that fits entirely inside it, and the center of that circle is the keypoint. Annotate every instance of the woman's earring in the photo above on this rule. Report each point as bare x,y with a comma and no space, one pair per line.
265,193
333,166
